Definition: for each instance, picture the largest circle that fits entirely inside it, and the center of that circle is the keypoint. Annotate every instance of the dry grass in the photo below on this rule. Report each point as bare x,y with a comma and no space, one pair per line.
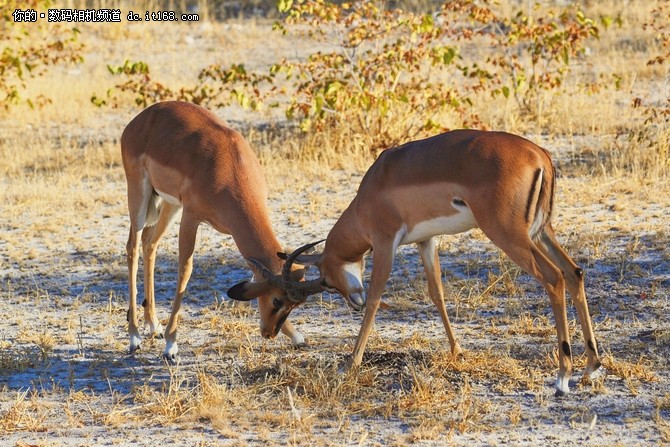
64,374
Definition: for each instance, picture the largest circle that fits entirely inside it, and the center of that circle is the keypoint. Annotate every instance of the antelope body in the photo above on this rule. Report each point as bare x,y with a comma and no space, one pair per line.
448,184
177,155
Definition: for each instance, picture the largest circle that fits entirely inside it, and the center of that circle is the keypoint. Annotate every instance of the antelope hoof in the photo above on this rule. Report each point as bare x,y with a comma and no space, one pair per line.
298,341
135,342
347,367
170,359
301,346
170,353
156,330
562,387
593,376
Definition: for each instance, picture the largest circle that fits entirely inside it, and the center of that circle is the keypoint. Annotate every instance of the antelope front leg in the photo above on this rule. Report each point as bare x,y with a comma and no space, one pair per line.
382,261
187,234
297,339
431,264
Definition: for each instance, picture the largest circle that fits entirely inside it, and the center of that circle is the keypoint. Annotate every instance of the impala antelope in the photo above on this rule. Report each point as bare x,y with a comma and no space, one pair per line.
447,184
178,155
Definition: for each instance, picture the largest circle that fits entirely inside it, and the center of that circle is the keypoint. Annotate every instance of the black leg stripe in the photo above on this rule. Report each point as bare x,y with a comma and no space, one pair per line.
593,345
566,349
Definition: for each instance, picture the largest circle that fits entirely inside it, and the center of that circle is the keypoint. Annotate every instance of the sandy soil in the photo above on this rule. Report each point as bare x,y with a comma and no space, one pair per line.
62,330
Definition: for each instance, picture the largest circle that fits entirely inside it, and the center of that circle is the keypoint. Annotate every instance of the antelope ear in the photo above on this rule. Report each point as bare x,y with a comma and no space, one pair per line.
248,290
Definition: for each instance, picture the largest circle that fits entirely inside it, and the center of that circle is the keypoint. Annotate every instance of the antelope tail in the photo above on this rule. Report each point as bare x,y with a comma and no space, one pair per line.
540,200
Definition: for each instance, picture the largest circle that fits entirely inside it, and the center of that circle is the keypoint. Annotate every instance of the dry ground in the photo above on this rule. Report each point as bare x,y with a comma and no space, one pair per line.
66,378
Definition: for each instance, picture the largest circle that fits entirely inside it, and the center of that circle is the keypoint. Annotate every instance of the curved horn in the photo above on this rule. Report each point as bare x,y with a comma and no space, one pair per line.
275,280
286,271
265,272
299,291
296,291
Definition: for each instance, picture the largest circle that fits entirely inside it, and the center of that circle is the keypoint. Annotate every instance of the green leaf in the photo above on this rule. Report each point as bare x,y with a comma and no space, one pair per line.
332,88
430,125
384,107
98,102
365,102
505,91
606,21
306,125
317,106
284,5
427,24
449,55
242,99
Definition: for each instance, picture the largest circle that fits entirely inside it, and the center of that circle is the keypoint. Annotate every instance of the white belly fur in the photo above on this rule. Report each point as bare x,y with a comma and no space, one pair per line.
462,221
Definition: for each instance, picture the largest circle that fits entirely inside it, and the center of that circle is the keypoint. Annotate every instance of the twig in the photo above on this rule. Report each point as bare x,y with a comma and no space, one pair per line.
295,411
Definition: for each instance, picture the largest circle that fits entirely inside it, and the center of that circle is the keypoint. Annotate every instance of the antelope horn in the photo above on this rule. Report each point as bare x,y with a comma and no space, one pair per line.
299,291
296,291
265,272
286,271
275,280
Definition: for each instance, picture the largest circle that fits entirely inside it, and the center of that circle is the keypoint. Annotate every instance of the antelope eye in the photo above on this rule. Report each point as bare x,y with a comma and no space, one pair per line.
277,303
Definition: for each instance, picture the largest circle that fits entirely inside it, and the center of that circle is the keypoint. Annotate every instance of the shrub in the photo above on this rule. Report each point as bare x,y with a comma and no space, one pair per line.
388,75
29,48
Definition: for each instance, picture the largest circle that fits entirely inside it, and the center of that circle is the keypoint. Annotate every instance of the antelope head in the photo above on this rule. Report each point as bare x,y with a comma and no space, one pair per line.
340,276
287,290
